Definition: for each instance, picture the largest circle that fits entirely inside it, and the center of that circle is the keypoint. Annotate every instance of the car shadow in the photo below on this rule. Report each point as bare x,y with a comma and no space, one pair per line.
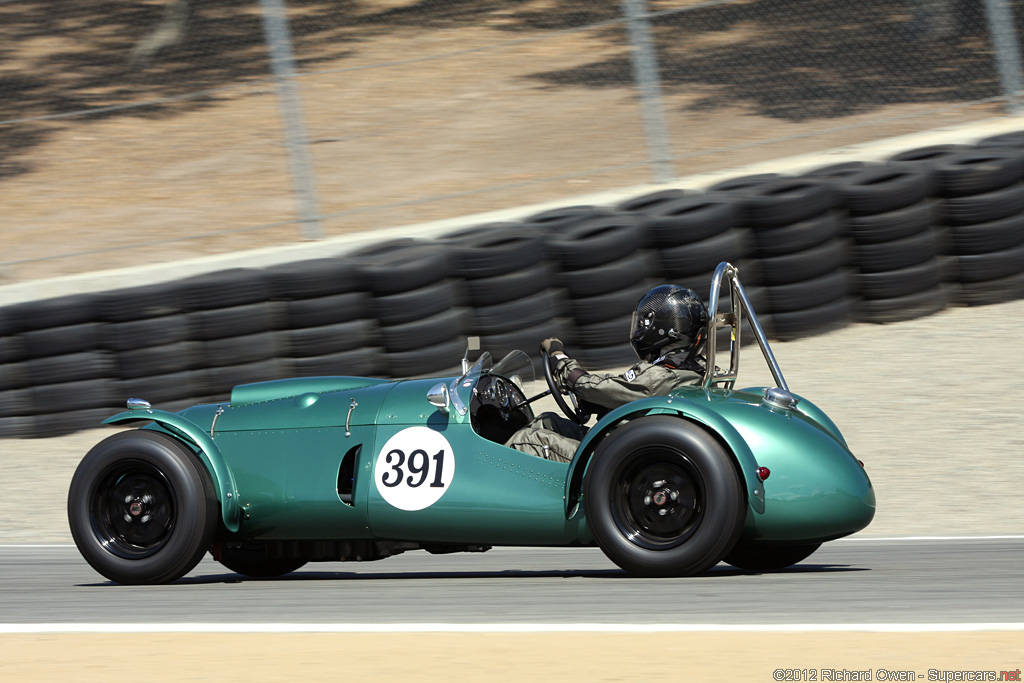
307,574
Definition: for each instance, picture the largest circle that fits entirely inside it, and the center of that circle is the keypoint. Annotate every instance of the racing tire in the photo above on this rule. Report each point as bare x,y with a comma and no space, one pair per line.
698,257
882,189
977,171
159,360
250,559
146,332
810,321
996,291
327,339
901,308
365,361
142,508
769,557
68,396
900,282
235,321
991,266
663,498
838,171
795,237
690,219
1012,140
136,303
818,291
415,304
745,183
499,289
606,279
646,203
618,304
925,160
437,329
804,265
785,201
513,315
224,289
12,349
555,221
327,310
311,278
70,367
62,311
901,253
985,207
982,238
400,266
57,341
492,249
236,350
597,241
892,225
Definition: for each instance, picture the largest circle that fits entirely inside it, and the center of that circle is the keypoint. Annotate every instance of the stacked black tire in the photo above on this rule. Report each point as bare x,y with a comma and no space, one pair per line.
603,268
56,377
233,327
419,328
983,207
501,275
323,315
890,223
794,224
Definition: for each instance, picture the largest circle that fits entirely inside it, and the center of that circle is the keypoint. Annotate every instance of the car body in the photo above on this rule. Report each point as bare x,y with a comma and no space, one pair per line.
355,468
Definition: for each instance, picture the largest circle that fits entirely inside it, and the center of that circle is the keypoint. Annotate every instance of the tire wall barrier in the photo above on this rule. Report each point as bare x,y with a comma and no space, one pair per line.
867,242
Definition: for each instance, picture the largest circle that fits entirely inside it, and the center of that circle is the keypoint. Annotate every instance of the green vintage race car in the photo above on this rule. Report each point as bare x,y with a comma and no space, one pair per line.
353,468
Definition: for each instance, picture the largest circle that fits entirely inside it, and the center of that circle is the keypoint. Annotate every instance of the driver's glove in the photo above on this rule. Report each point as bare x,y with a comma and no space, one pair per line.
552,347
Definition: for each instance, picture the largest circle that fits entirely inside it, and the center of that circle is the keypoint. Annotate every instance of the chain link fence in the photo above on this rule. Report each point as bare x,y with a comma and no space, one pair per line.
146,131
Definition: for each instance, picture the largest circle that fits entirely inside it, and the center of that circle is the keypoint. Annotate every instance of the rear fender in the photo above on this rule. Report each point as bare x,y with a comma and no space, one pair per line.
718,426
205,448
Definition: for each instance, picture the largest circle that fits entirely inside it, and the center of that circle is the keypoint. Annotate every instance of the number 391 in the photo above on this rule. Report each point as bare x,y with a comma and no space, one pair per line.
418,464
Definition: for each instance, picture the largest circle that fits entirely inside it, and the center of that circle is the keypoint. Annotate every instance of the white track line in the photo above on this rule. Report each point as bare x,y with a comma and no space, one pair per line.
499,628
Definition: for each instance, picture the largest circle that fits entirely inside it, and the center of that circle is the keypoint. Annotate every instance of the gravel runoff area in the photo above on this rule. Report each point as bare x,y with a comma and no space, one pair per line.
932,406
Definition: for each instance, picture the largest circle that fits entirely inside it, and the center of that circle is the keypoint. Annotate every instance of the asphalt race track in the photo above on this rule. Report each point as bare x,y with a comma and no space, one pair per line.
897,581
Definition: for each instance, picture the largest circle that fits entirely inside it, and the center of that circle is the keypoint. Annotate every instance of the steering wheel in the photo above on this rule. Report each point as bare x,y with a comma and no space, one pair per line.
558,391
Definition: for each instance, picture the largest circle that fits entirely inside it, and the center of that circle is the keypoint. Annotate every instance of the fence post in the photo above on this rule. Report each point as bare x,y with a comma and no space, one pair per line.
1007,51
645,71
282,61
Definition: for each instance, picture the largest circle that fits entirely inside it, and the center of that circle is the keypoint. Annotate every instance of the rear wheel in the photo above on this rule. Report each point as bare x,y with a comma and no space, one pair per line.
142,508
663,498
766,557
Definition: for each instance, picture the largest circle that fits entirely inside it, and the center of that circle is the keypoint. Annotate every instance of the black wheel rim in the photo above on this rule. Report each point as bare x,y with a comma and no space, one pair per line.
132,509
659,498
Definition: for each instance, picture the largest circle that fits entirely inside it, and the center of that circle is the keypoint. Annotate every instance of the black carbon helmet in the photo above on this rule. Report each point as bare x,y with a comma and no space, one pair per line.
668,317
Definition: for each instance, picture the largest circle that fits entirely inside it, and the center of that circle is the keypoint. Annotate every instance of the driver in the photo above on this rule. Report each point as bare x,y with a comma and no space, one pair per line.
667,332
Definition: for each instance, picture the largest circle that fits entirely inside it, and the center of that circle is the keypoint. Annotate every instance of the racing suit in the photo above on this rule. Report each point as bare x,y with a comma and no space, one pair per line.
556,438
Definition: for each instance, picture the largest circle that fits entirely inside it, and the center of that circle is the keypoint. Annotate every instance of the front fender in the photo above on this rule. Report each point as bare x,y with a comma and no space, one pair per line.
209,454
685,409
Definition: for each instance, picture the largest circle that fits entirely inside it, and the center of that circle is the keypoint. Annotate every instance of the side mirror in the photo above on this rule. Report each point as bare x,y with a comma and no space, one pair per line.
439,398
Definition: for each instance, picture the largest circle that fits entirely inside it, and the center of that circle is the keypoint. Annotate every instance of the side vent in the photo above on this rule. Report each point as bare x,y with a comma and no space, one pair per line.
346,474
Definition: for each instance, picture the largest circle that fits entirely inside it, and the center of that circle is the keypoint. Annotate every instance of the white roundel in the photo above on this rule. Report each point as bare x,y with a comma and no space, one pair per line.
414,468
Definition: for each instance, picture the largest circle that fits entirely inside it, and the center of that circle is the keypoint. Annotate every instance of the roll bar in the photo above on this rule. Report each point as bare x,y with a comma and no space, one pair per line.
734,319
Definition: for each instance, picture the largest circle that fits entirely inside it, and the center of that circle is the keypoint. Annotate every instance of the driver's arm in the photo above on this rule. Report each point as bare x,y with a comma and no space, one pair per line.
643,380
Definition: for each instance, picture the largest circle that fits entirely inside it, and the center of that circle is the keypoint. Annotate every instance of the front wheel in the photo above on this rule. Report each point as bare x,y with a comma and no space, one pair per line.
142,508
767,557
663,498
